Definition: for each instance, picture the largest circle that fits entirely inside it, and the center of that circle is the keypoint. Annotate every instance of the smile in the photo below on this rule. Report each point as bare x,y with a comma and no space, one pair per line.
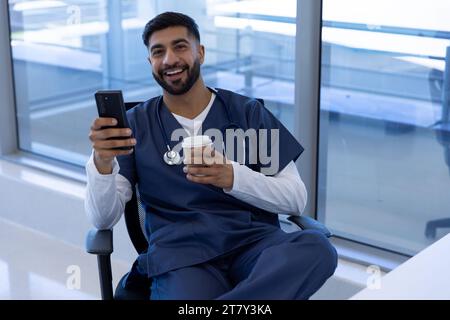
173,72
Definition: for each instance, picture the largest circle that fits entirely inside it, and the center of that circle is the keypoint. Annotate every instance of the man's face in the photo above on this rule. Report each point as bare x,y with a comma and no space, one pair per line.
175,56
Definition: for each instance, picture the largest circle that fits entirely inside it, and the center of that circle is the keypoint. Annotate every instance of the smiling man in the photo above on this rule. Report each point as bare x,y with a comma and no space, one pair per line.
213,228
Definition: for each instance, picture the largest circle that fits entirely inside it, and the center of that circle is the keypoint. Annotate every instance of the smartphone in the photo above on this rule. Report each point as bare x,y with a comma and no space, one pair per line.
110,105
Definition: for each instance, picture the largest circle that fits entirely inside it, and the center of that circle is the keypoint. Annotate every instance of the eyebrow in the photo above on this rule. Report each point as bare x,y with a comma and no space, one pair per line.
174,42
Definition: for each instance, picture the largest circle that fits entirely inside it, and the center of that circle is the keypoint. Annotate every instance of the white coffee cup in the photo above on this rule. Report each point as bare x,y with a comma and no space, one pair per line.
200,145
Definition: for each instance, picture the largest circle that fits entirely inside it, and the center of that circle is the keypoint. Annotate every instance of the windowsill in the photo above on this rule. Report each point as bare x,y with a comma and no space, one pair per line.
367,255
47,165
358,253
44,174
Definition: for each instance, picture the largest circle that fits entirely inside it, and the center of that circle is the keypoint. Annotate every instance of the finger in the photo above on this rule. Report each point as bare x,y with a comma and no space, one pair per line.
195,156
190,168
209,152
109,153
194,161
108,144
205,152
201,180
202,170
213,160
206,161
110,133
185,168
190,160
103,122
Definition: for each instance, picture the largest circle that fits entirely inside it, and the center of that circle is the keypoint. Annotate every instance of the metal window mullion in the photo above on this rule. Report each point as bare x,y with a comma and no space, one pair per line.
8,132
307,88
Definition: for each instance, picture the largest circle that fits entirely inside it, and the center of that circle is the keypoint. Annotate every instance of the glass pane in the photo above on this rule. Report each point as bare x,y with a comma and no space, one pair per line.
64,51
384,158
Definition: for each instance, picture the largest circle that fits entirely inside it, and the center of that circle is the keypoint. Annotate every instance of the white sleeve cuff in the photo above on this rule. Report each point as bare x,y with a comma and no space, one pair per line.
237,173
93,172
106,195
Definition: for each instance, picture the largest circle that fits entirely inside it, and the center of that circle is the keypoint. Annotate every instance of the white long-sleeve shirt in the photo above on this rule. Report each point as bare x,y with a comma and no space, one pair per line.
284,193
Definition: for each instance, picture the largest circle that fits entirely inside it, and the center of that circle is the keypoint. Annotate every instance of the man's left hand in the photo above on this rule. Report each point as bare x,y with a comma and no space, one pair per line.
210,168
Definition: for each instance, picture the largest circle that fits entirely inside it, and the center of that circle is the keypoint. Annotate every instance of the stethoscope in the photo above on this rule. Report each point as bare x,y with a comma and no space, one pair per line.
172,157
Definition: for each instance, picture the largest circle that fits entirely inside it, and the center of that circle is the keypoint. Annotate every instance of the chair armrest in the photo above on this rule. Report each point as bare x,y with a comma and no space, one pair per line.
99,242
308,223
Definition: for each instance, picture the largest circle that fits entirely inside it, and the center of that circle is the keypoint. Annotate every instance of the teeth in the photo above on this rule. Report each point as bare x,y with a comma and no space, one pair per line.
169,73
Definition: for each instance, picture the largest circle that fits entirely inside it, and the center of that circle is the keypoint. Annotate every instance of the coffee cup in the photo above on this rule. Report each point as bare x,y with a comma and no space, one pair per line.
198,146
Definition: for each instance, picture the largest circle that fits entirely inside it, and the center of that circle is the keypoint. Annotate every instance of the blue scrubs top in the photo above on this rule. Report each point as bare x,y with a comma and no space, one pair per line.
189,223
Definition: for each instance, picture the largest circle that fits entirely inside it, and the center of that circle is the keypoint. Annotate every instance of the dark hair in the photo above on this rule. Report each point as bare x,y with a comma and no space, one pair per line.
170,19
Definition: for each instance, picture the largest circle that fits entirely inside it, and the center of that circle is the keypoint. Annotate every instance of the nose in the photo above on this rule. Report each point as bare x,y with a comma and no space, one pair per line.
170,58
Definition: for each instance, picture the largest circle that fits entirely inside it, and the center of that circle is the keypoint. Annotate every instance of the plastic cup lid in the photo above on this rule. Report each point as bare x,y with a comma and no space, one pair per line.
196,141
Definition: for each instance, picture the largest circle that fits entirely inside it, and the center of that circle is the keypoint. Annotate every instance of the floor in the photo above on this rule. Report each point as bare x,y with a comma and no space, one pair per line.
35,266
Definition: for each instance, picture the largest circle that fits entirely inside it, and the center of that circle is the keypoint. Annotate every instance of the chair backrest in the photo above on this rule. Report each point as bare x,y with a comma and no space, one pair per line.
135,213
135,222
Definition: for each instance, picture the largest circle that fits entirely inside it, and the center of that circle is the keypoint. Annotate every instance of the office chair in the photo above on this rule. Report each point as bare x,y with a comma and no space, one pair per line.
443,137
100,243
441,90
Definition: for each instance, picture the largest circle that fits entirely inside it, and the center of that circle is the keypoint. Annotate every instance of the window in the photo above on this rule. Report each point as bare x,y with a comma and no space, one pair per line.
384,153
63,51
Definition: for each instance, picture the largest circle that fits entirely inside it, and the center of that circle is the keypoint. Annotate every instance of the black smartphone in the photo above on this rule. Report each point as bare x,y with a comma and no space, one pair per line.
110,105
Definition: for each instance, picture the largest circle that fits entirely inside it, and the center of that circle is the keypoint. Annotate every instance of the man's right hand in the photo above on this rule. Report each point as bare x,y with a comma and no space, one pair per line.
103,143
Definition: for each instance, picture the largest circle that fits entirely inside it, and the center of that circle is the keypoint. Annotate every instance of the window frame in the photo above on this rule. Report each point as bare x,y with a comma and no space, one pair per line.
8,120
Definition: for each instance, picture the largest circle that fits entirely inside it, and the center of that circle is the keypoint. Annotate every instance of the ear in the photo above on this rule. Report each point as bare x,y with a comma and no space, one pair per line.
201,53
149,60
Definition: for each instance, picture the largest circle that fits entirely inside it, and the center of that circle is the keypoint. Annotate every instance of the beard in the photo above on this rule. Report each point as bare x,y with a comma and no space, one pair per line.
180,87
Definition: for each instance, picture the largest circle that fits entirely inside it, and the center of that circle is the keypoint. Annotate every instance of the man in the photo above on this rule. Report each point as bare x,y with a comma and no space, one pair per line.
213,227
